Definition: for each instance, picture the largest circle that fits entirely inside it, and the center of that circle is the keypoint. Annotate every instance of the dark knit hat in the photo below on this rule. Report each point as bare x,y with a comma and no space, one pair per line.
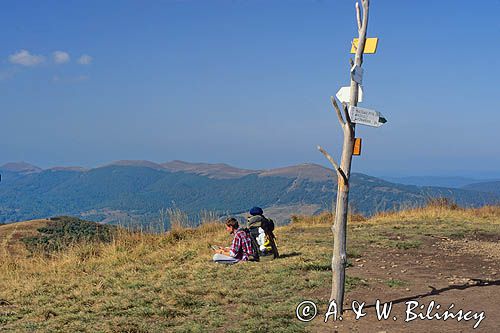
256,211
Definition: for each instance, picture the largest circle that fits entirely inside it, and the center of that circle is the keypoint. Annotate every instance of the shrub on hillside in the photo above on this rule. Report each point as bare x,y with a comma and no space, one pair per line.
64,231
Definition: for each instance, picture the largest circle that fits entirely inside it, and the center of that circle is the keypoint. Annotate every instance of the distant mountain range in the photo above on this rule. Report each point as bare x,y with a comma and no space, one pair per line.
492,187
450,181
136,191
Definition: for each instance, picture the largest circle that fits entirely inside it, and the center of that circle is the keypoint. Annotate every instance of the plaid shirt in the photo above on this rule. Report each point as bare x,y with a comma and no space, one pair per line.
241,247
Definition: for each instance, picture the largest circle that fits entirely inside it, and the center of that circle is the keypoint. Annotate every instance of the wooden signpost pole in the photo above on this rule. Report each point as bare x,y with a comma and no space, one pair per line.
339,228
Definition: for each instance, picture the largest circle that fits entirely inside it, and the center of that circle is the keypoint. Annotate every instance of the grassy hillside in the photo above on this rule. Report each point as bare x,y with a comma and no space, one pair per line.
167,283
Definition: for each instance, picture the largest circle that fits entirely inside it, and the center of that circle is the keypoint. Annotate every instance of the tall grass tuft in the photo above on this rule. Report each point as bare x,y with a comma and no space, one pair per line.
178,219
208,216
442,203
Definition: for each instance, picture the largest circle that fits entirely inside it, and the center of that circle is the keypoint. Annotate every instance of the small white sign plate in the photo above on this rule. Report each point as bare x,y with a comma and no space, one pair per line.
344,94
366,116
357,74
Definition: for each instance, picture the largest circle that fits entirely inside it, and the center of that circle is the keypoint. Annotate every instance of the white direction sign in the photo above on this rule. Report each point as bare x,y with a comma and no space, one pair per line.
366,116
357,74
344,94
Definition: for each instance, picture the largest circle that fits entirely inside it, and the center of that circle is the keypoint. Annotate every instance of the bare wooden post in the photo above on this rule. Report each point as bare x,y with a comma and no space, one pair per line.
339,228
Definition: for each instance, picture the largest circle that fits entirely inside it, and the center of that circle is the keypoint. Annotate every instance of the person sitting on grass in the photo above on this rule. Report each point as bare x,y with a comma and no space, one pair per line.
261,230
254,224
241,247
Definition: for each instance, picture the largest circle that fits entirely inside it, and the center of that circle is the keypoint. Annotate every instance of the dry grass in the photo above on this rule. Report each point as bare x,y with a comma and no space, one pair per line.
438,209
325,218
144,282
408,229
166,282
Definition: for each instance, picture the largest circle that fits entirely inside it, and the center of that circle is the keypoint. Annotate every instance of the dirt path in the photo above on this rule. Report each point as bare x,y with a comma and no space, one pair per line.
463,273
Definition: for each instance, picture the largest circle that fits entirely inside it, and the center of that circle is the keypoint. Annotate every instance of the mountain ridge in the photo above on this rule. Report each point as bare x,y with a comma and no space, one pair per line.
212,170
486,186
443,181
20,167
138,190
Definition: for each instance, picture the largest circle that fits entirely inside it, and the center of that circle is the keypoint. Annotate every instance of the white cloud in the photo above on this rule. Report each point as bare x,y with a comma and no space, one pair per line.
85,59
60,57
24,58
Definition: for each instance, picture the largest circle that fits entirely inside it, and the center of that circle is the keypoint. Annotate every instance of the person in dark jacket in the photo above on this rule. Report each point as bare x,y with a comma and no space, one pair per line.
256,218
258,225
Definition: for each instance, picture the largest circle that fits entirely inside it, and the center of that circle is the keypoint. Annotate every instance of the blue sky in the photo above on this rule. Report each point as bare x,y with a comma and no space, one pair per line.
248,83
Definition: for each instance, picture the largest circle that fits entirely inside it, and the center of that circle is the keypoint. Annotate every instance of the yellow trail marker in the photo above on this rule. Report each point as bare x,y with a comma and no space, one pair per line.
370,45
357,147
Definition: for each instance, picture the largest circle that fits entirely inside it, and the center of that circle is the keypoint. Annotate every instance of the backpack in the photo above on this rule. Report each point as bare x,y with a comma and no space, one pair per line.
255,247
267,225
